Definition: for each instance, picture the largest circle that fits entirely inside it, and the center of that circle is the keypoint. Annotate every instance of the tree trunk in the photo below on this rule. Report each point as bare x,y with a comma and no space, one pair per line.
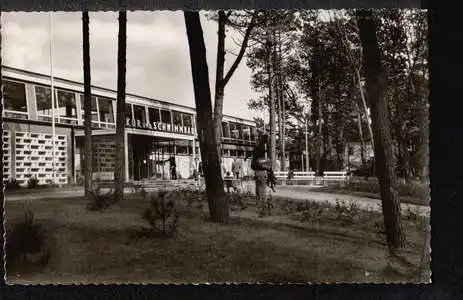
384,156
360,128
218,204
87,105
219,85
281,104
221,80
271,91
423,137
119,170
319,133
365,108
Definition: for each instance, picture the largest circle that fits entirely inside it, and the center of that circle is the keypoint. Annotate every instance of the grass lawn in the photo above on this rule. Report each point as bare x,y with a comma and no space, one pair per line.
298,243
413,193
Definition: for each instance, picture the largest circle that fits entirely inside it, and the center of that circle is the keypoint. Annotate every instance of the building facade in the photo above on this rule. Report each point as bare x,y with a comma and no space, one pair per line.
155,131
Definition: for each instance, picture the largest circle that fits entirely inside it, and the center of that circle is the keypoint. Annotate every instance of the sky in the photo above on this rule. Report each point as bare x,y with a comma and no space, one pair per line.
158,62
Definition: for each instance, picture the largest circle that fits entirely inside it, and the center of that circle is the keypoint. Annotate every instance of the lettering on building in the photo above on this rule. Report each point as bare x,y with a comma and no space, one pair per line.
158,126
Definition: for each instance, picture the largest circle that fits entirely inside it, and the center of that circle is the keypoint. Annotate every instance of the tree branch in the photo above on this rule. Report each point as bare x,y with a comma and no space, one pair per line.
242,50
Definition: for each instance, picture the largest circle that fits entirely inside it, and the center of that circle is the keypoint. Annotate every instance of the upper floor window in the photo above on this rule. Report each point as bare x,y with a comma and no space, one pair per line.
15,103
246,133
176,118
67,111
43,101
187,120
253,133
93,108
153,114
128,111
166,117
139,113
106,110
225,130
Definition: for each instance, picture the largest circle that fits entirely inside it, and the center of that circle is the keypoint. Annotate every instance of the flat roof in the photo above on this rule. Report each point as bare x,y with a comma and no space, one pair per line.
111,90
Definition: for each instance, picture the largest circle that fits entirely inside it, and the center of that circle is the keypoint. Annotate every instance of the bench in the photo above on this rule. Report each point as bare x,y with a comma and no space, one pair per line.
335,176
281,174
304,175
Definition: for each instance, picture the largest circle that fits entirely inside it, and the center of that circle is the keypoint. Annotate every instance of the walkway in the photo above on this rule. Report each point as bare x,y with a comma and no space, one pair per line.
302,193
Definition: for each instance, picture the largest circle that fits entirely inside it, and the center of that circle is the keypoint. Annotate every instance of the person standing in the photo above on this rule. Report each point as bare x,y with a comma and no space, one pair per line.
173,167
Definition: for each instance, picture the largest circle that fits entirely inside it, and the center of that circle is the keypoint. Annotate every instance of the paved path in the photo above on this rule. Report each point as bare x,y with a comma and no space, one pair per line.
302,193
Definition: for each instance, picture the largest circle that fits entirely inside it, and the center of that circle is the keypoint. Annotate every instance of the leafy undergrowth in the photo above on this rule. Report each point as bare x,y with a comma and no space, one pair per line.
413,193
112,246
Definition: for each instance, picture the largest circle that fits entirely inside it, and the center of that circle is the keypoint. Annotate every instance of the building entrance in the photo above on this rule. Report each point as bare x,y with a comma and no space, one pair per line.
148,157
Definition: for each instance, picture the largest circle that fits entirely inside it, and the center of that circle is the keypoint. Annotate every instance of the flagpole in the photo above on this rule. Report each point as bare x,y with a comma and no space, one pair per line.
52,96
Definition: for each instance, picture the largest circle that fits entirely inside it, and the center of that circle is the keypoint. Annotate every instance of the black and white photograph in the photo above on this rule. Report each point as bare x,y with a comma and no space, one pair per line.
216,146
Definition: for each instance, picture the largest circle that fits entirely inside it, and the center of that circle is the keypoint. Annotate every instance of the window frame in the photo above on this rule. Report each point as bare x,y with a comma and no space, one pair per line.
27,112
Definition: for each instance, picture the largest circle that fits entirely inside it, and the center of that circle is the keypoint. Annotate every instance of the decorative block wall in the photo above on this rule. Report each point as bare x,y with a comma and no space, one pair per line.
34,157
104,157
6,155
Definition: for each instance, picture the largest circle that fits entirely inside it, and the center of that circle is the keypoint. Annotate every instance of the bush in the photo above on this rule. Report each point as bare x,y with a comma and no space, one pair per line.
12,185
347,212
26,242
100,200
33,182
161,215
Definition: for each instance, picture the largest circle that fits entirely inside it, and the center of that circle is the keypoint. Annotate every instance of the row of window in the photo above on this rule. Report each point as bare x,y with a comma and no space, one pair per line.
231,130
66,109
102,110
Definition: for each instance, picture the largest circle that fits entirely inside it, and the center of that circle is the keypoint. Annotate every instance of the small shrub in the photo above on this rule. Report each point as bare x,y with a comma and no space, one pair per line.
26,242
12,185
100,200
347,212
161,215
32,182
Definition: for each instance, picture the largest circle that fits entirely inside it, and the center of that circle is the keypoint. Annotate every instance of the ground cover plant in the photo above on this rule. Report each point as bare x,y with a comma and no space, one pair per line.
326,242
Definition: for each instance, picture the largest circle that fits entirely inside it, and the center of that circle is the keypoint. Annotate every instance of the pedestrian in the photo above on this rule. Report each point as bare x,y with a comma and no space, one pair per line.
173,167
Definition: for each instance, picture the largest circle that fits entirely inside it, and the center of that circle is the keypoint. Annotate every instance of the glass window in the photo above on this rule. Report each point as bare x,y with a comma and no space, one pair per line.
15,99
234,130
240,132
105,106
165,117
253,133
93,108
225,130
177,118
187,120
66,106
139,113
246,133
128,111
154,115
182,150
43,99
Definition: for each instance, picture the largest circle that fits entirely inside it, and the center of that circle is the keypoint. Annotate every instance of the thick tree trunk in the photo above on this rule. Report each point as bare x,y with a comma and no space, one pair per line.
218,204
87,105
384,156
271,89
360,128
281,103
119,170
365,107
219,84
423,138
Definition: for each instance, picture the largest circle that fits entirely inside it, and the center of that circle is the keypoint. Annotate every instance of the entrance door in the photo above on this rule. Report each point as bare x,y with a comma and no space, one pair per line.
141,149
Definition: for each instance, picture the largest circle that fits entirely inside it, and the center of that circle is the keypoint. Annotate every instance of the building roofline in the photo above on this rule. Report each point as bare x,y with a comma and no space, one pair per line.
113,91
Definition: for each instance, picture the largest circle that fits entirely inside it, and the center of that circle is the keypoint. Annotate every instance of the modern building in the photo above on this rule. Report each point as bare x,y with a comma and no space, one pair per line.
155,131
